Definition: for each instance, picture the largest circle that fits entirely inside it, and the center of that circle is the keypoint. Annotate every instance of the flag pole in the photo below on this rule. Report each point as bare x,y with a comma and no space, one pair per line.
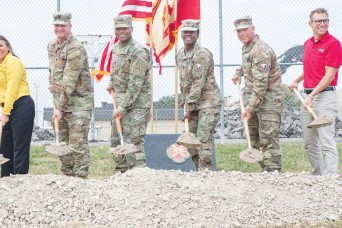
176,92
151,78
152,109
221,69
199,41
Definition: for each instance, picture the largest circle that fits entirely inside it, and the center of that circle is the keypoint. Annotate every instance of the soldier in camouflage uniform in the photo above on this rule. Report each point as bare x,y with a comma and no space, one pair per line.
70,84
130,80
263,92
201,95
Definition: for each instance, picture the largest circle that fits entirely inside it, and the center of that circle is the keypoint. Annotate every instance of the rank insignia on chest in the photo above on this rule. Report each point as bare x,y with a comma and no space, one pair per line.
263,67
198,67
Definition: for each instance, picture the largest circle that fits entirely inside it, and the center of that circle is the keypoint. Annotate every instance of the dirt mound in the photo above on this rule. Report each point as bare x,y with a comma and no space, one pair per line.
150,198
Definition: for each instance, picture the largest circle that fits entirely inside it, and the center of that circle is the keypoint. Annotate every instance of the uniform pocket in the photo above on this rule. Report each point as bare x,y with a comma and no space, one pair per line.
124,64
140,66
74,60
138,116
269,122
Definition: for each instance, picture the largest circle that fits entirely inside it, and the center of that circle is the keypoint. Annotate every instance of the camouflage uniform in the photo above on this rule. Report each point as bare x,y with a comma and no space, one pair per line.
130,79
72,94
264,97
201,96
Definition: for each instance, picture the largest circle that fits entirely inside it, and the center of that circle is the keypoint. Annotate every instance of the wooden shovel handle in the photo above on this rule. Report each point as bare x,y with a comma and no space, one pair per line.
55,122
307,107
117,119
186,121
245,123
186,124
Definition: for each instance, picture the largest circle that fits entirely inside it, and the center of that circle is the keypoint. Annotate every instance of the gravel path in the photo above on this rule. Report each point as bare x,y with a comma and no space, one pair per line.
154,198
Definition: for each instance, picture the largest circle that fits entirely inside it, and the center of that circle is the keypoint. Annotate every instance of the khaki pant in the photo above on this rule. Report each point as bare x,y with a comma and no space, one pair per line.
319,143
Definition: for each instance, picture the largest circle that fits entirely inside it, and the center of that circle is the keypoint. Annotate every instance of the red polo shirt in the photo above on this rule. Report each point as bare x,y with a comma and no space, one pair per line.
325,52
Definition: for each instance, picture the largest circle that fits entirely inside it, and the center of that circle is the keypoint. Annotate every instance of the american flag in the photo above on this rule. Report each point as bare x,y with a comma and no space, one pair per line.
141,10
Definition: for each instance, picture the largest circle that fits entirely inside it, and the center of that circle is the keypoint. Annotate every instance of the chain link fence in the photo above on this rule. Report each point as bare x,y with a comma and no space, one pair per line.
282,24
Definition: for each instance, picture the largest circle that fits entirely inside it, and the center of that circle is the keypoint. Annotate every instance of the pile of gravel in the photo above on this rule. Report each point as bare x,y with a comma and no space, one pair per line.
144,197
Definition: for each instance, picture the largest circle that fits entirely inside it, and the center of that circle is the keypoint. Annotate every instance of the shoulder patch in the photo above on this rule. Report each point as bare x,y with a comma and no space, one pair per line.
198,67
263,67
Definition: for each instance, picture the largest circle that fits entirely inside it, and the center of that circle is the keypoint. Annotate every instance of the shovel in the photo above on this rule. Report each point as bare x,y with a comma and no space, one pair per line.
320,121
59,148
123,148
188,139
249,155
176,152
2,159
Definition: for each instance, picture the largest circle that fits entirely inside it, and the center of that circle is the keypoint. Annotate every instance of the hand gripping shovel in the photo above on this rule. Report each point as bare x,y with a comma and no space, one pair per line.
188,139
249,155
123,148
2,159
320,121
59,148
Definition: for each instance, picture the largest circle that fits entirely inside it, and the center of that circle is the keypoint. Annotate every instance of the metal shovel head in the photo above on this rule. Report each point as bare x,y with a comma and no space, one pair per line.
321,121
3,159
189,140
60,149
123,149
177,153
251,155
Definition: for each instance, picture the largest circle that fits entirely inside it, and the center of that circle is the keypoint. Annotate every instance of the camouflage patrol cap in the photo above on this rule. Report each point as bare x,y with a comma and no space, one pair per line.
243,22
190,25
61,18
123,21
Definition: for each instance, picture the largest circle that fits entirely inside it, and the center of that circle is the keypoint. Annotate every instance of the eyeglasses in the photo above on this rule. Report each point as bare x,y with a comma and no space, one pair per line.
318,22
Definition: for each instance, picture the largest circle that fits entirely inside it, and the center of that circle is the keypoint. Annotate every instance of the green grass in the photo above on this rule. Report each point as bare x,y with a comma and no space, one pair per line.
294,158
42,162
227,156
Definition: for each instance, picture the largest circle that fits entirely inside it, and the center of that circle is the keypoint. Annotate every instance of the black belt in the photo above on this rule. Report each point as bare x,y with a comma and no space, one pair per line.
329,88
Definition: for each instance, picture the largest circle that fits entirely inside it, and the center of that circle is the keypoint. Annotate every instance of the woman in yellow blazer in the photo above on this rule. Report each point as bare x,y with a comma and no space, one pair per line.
17,113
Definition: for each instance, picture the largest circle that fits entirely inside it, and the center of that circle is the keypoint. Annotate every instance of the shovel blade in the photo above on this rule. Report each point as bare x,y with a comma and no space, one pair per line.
123,149
188,140
251,155
3,160
321,121
60,149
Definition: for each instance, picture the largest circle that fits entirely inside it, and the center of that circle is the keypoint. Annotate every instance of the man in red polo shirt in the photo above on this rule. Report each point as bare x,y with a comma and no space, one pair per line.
322,59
